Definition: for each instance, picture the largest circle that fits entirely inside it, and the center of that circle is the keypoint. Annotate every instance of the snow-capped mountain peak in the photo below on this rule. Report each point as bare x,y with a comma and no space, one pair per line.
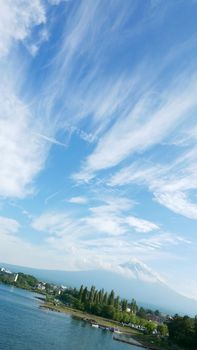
136,269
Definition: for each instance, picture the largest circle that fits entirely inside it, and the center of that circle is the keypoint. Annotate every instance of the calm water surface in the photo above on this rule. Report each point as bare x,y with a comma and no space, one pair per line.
23,326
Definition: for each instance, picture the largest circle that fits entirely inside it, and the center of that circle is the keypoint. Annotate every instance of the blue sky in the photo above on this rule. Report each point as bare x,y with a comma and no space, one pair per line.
98,132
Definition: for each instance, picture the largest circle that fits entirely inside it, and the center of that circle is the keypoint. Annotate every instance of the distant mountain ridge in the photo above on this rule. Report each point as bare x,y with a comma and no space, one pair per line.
151,294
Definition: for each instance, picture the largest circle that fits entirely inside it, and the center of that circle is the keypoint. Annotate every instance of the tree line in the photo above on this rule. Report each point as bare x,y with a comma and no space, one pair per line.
183,331
108,305
23,281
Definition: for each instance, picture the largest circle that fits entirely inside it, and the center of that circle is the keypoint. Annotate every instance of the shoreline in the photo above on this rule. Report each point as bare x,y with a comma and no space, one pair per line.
144,342
87,317
126,334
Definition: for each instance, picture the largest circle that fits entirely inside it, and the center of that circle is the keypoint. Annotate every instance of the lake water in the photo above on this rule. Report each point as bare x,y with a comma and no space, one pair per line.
23,326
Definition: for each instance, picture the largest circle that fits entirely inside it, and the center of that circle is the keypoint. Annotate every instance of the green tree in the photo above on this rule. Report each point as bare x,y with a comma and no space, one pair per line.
96,297
81,293
150,326
162,329
108,311
117,303
181,330
105,298
111,298
133,306
157,313
126,317
92,294
85,295
124,304
142,313
133,318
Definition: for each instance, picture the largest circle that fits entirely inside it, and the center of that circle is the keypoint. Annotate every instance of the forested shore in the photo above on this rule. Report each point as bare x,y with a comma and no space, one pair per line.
163,329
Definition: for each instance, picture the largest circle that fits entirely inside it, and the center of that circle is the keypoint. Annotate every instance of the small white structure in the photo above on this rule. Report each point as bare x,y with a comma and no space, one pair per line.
16,277
6,271
63,287
41,286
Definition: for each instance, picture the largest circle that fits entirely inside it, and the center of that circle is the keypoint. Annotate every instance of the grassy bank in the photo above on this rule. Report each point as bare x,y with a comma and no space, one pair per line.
89,317
148,341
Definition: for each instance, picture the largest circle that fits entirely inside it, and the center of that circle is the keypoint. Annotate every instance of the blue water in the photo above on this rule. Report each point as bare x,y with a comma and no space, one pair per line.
23,326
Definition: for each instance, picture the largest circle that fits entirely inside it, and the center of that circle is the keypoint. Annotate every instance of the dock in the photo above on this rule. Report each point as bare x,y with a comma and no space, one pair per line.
128,340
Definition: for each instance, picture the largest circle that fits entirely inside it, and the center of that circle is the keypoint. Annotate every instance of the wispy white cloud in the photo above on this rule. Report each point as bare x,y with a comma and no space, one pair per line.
159,242
134,173
8,226
113,204
141,225
171,184
158,122
178,202
78,200
22,155
33,44
106,219
112,217
57,224
153,116
102,222
103,218
57,2
17,20
103,226
87,96
18,251
85,244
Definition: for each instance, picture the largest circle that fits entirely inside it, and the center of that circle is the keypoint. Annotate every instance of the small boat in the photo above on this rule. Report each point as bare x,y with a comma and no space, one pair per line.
95,325
104,328
113,329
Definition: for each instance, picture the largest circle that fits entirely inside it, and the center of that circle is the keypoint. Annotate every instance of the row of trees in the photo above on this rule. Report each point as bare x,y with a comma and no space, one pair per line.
23,281
108,305
26,281
95,301
183,331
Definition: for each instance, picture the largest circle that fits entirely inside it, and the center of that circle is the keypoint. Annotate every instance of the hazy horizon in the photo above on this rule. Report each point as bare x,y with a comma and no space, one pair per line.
152,294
